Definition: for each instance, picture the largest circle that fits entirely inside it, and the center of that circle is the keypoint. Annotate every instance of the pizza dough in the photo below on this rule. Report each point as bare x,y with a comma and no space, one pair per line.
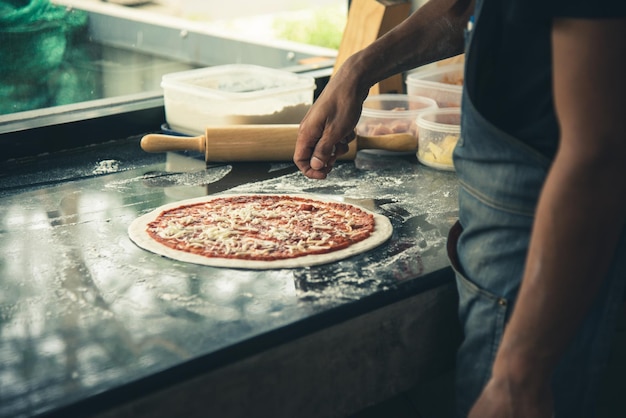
138,233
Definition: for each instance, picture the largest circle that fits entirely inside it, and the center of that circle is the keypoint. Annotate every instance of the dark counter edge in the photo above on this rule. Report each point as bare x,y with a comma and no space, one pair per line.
199,366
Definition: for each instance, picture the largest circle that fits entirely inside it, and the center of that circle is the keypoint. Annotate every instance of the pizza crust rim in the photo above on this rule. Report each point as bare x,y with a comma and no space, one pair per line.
137,234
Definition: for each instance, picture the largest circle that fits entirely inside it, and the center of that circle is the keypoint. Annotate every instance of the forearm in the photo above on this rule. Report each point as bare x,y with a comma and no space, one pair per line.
578,221
433,32
582,207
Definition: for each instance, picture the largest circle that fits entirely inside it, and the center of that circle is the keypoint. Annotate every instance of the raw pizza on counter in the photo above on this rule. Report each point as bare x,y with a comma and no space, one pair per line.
260,231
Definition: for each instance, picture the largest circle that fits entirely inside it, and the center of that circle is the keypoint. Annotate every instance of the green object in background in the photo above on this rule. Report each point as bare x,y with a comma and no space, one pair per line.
324,28
34,36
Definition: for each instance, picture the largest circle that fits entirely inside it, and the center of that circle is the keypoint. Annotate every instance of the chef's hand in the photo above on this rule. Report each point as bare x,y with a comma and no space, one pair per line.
502,398
328,127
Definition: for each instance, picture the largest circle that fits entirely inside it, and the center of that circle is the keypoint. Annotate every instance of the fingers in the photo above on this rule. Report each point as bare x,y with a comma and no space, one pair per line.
324,135
315,165
303,155
342,147
326,152
328,149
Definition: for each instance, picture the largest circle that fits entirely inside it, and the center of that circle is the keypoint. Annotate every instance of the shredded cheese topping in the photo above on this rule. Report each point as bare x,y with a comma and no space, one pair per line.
261,227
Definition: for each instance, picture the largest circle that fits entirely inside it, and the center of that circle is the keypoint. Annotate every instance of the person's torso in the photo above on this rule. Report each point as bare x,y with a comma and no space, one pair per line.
508,68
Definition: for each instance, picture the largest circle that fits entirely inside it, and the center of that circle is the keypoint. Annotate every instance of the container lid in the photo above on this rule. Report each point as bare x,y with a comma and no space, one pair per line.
442,120
236,81
444,75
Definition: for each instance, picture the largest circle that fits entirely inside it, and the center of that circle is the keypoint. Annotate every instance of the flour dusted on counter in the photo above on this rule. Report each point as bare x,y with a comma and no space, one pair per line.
106,167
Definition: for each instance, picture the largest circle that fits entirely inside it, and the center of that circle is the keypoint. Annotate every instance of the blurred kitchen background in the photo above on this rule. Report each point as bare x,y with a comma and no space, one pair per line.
94,49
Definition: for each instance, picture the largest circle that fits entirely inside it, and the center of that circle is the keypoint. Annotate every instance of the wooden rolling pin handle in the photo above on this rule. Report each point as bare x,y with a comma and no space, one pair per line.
256,143
262,143
163,143
251,142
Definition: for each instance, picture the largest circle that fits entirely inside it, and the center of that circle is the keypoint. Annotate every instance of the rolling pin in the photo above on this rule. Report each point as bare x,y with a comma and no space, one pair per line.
232,143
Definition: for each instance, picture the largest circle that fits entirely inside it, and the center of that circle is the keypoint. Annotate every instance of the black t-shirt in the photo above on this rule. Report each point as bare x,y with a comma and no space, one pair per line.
509,64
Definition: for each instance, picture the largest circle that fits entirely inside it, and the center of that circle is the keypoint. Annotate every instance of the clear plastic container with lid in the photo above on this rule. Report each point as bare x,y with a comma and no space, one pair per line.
234,94
444,84
390,115
439,132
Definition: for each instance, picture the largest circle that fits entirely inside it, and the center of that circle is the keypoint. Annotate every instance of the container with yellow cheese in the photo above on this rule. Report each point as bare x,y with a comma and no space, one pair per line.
439,131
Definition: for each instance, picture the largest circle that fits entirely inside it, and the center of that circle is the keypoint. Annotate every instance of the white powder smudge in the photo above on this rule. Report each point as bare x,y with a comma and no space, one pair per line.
106,167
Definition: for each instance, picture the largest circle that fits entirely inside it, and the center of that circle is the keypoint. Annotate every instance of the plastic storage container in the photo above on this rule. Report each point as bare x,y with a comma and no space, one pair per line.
390,114
444,84
439,132
233,95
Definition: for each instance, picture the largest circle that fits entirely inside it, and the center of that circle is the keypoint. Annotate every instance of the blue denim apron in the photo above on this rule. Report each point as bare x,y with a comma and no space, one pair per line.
500,181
